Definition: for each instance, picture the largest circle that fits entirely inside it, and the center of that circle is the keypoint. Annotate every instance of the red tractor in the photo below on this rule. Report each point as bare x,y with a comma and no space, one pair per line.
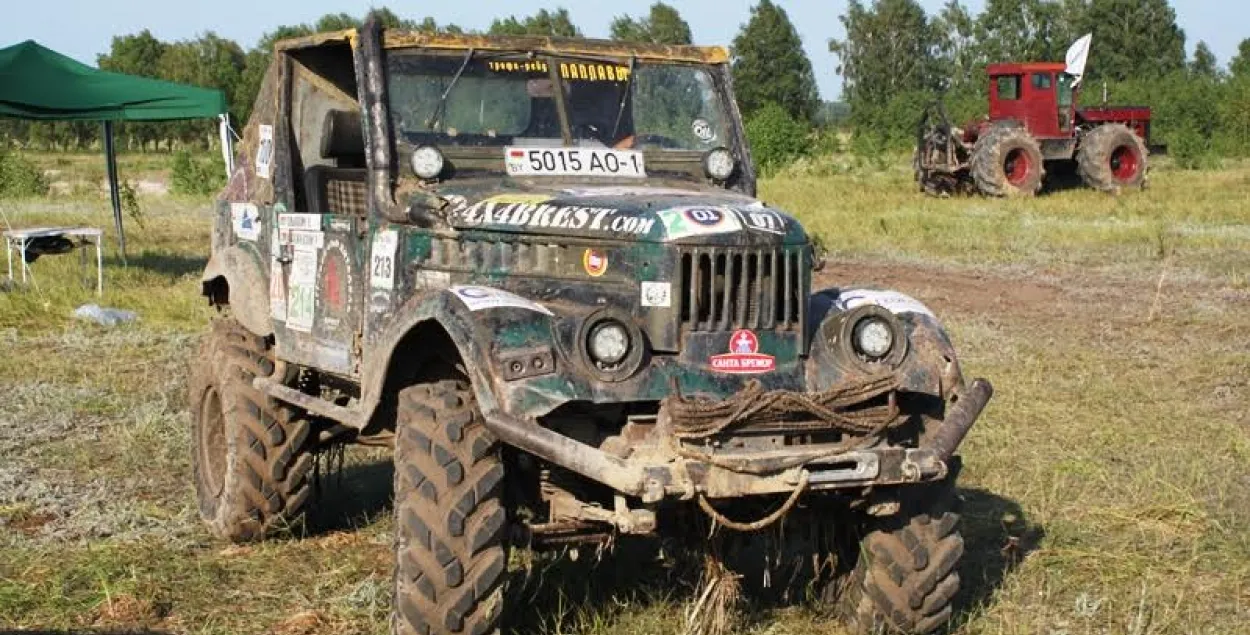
1033,124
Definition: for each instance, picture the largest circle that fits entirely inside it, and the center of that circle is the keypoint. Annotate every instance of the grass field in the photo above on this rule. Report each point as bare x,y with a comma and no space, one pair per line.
1106,489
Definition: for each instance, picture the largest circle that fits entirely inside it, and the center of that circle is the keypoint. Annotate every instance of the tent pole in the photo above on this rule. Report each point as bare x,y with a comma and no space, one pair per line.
110,157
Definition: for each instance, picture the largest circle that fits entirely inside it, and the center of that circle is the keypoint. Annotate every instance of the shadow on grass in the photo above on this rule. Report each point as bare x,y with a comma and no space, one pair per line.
348,498
161,263
997,538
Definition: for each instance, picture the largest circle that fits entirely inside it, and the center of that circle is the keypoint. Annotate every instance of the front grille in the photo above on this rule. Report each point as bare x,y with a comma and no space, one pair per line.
727,288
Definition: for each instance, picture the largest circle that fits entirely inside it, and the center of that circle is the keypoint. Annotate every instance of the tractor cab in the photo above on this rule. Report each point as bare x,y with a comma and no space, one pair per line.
1040,96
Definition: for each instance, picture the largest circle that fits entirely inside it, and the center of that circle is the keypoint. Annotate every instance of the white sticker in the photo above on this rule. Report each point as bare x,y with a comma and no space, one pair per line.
574,162
277,285
426,279
703,130
658,294
302,294
302,240
245,219
892,301
696,221
764,220
300,221
484,298
264,151
543,216
382,259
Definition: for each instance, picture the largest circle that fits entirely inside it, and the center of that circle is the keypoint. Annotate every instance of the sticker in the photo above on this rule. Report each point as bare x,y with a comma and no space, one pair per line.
380,301
302,293
892,301
520,197
426,279
245,219
544,216
695,221
277,284
264,151
340,224
574,162
300,221
382,259
744,356
703,130
657,294
302,240
595,262
484,298
337,282
764,220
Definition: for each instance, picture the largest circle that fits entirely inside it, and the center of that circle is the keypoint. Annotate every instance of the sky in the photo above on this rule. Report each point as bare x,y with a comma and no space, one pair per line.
83,29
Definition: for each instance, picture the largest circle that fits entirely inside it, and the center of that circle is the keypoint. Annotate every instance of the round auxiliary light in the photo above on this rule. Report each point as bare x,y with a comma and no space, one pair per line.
872,337
719,164
608,343
427,162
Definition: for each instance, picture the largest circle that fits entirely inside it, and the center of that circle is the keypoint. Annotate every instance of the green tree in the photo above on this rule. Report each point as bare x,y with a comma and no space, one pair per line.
1204,64
663,25
553,23
1022,31
1133,38
1239,67
776,137
954,33
770,66
336,22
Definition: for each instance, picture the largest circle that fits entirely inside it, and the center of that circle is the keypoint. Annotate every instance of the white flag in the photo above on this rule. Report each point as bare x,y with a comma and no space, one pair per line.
1078,54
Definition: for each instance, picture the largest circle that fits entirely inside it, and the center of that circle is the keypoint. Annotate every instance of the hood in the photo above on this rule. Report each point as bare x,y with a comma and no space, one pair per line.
637,213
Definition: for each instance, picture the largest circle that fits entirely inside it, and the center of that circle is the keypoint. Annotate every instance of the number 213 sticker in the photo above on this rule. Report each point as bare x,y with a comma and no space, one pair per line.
382,260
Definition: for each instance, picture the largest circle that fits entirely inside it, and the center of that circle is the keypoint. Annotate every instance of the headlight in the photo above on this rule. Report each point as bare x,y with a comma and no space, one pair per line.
873,337
608,343
427,162
719,164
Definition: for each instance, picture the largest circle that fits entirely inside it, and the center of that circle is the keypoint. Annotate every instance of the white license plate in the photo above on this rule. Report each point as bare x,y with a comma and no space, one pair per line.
574,162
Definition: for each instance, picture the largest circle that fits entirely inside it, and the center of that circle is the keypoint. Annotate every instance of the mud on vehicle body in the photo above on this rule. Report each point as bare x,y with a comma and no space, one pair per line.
537,268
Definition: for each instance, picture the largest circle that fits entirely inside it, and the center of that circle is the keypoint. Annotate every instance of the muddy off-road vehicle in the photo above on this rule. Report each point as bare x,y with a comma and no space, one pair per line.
537,269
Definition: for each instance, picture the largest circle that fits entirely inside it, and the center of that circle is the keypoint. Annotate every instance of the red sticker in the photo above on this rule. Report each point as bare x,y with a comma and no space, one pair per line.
744,356
595,262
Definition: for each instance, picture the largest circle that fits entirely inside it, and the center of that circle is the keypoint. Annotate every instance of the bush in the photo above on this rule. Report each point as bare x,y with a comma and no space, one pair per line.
20,177
195,176
776,138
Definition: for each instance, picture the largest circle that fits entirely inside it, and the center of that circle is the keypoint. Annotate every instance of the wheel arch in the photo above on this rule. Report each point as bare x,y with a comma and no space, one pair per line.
233,278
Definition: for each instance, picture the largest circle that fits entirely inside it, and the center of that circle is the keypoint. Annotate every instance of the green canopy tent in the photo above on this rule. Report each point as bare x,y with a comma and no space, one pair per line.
39,83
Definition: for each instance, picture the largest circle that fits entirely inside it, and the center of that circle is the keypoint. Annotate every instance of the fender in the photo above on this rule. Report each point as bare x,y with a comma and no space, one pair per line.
930,366
477,336
248,296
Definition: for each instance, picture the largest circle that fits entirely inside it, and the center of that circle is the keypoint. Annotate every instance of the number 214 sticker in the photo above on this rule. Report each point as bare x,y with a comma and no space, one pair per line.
382,260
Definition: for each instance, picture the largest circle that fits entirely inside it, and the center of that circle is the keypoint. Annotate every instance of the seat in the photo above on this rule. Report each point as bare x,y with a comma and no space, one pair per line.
340,189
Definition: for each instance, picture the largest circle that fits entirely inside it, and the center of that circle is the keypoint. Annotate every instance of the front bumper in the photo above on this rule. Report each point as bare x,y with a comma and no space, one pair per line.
670,471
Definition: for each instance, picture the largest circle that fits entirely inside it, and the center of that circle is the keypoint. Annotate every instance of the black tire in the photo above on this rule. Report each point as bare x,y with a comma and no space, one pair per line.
1112,158
905,577
251,457
1007,161
450,558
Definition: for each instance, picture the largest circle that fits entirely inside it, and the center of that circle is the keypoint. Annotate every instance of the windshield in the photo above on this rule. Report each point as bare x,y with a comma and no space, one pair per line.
509,100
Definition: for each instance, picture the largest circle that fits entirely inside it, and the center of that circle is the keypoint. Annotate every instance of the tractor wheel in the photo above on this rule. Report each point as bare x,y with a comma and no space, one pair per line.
251,454
450,558
1112,158
1007,162
905,577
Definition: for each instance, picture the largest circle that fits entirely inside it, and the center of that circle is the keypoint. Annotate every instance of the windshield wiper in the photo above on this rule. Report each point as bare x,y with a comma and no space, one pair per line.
442,101
620,109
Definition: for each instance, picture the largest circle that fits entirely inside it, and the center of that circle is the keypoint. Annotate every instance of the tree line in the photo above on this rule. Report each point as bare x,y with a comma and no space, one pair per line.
894,59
